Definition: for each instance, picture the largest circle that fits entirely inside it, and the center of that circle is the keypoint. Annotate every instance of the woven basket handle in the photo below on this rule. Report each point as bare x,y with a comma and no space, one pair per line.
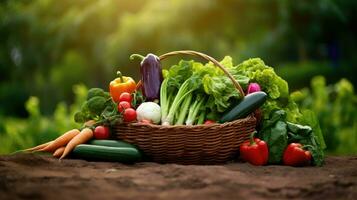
209,58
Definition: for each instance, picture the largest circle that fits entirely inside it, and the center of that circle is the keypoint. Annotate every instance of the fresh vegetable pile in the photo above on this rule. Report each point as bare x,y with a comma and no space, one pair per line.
192,93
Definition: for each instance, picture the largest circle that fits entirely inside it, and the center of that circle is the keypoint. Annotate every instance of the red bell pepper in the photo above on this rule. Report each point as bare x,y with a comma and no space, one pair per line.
295,155
255,151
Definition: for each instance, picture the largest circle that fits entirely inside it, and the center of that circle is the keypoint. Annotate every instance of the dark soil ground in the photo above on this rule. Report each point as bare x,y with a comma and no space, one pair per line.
27,176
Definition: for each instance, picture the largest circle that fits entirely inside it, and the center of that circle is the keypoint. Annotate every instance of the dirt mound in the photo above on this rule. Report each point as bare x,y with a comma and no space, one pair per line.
27,176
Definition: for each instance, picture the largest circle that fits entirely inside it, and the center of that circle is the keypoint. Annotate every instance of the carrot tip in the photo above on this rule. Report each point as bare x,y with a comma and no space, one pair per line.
16,152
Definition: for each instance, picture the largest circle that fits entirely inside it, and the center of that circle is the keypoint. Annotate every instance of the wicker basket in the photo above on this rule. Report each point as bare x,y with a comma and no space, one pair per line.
198,144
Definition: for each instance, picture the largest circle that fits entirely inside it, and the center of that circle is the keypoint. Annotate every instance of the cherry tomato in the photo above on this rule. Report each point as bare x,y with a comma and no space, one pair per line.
101,132
209,122
123,105
129,115
125,97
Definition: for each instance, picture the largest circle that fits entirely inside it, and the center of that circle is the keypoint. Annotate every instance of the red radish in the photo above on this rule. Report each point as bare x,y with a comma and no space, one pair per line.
101,132
253,87
129,115
125,96
209,122
123,105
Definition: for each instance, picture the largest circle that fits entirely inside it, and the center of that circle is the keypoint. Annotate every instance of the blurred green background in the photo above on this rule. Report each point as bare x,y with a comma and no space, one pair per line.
52,51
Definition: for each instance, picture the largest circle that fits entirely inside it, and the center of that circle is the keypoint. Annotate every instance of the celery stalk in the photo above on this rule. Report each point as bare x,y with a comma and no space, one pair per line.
164,100
180,96
201,118
185,106
194,111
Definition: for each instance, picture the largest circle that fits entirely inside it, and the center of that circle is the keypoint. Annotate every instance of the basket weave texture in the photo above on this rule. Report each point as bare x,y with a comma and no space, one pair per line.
198,144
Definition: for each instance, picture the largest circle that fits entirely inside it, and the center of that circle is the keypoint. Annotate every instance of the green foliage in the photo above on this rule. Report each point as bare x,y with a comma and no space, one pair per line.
336,109
274,132
51,45
93,92
278,133
19,134
98,106
276,88
305,135
207,85
280,110
220,87
257,71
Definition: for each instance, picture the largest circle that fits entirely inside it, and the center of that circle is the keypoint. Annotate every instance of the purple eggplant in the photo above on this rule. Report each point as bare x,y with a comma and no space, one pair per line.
151,76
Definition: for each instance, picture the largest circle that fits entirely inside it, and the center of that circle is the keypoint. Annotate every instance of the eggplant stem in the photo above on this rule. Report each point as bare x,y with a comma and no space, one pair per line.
140,57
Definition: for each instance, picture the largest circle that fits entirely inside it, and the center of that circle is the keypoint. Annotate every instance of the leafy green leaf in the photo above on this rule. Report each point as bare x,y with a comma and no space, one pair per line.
220,87
299,129
177,74
274,133
275,116
277,140
317,155
310,118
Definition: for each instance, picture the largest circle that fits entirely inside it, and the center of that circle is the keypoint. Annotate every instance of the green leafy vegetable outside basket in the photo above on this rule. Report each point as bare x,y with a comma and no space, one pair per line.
98,106
281,114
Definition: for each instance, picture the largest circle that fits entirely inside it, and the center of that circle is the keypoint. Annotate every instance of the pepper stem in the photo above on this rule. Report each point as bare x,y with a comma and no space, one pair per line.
252,137
120,76
140,57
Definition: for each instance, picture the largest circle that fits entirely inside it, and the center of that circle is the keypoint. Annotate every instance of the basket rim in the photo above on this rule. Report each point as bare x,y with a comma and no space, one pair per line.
137,124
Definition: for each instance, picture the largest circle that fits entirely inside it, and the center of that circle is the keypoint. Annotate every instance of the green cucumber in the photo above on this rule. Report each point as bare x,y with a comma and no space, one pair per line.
111,143
249,104
106,153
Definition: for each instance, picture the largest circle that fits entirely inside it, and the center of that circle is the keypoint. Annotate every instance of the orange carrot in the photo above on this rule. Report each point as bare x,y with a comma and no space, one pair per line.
61,141
89,123
41,146
85,135
58,152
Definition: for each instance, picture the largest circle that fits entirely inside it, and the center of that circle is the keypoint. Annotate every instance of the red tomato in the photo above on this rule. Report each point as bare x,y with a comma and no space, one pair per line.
123,105
125,97
209,122
129,115
101,132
